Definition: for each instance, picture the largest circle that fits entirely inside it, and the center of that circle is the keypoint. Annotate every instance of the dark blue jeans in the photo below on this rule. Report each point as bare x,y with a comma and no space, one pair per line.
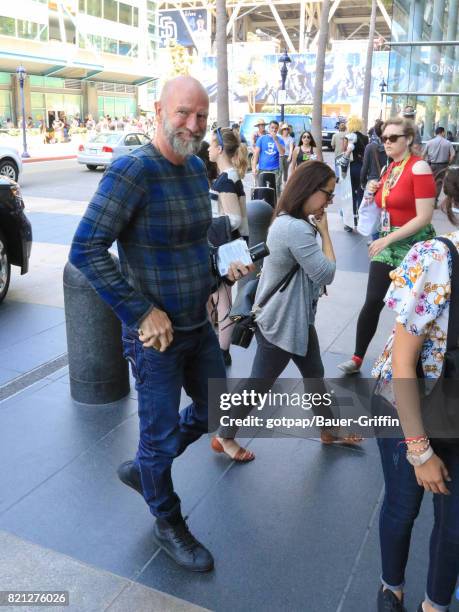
400,508
165,432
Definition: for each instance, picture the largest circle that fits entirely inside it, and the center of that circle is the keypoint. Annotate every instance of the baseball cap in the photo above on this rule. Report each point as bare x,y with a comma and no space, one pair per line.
260,122
283,126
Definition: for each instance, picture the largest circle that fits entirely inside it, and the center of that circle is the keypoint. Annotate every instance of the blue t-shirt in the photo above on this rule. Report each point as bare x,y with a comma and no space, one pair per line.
269,155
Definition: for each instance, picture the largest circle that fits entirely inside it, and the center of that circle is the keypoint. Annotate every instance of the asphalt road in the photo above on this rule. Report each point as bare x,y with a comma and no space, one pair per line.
64,179
68,179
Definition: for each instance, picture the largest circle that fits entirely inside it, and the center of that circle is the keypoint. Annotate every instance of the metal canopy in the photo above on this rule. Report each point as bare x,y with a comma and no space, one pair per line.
294,24
49,66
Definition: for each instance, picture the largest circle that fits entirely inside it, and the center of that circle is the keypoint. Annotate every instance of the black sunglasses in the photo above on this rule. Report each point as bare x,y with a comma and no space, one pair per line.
330,194
392,137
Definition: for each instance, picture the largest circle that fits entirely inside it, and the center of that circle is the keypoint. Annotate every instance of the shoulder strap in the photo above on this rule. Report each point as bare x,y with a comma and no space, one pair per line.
453,320
281,285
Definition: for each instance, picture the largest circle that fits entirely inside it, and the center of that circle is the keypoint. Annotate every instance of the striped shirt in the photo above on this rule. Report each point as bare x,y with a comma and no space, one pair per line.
159,214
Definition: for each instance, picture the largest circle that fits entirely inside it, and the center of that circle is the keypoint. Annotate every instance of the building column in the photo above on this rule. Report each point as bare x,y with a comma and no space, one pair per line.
90,105
435,57
15,102
450,55
16,99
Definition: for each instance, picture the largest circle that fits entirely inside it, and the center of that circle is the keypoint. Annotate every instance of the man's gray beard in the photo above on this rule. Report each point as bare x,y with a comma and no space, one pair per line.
179,146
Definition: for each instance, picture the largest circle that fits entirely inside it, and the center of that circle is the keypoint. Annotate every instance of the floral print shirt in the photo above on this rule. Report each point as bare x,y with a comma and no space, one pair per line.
420,295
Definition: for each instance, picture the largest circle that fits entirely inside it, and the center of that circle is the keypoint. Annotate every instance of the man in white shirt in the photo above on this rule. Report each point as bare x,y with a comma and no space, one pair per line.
337,143
289,143
439,153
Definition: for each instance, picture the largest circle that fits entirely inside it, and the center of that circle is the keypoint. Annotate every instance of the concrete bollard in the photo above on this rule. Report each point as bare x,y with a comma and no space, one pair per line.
98,372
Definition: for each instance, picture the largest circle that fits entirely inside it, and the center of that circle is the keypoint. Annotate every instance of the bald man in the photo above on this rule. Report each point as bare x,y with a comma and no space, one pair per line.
155,203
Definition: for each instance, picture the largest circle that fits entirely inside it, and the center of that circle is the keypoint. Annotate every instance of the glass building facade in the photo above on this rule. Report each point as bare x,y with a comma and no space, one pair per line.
81,56
424,63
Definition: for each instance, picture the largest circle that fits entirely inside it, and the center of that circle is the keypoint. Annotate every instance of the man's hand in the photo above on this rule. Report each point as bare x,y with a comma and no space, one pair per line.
156,330
237,270
433,475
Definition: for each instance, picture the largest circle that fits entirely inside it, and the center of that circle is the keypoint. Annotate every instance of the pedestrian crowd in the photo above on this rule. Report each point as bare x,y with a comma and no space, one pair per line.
59,127
162,202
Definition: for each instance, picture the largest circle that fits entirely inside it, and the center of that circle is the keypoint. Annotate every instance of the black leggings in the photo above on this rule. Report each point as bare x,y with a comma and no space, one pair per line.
357,191
269,363
367,323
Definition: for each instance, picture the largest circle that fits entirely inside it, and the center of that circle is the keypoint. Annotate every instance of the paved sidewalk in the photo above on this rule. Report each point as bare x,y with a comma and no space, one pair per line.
294,531
28,567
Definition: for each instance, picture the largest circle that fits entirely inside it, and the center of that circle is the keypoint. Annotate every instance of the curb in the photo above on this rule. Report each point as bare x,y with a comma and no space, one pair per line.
43,159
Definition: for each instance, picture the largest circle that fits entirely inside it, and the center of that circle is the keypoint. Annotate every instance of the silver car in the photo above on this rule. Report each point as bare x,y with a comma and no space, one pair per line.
107,146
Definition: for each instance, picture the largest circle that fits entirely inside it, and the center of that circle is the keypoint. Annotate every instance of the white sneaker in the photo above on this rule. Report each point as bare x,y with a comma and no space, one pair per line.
349,367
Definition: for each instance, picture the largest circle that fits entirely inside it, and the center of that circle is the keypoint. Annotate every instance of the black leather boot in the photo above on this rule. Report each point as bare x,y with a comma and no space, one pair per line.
389,602
130,476
177,541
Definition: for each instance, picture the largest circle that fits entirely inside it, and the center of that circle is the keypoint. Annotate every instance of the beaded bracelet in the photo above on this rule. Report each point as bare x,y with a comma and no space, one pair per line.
416,440
418,451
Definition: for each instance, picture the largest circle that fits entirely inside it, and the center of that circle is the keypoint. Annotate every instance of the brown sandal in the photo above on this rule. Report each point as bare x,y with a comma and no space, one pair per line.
350,439
242,456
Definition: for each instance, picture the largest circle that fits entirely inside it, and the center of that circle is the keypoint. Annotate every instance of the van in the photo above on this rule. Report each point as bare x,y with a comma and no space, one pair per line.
299,123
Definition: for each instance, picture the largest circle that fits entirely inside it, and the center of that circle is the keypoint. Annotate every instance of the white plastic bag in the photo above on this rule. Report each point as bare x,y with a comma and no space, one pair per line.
343,197
369,215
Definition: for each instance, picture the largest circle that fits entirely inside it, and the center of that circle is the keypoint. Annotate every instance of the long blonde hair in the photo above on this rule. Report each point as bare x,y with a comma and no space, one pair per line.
354,124
235,150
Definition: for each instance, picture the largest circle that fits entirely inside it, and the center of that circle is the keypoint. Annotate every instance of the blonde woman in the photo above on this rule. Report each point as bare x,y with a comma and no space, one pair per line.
355,148
228,198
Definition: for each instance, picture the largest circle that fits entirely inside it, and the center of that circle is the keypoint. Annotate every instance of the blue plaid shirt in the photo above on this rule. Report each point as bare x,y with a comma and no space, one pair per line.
159,214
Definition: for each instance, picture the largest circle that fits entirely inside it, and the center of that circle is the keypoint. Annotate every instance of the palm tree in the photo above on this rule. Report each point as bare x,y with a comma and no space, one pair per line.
222,65
367,82
320,69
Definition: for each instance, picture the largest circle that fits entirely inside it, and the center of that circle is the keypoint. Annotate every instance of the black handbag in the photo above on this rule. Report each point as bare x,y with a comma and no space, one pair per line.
440,405
244,319
219,231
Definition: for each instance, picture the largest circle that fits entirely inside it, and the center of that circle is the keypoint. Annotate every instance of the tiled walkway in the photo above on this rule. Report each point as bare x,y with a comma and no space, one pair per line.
295,530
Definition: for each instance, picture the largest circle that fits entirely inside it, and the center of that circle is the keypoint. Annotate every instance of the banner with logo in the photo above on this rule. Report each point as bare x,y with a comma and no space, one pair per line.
189,28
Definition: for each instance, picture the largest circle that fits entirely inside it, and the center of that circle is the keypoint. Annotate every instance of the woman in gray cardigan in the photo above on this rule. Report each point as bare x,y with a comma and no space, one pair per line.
286,323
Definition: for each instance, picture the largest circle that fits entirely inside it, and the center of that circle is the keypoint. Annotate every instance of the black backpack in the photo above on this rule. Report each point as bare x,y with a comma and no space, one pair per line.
359,148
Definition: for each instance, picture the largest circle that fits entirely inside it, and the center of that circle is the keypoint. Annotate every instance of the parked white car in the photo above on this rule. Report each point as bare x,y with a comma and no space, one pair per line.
107,146
10,163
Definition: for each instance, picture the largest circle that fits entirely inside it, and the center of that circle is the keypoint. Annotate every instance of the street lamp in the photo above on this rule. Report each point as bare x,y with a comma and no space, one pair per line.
284,60
21,73
382,89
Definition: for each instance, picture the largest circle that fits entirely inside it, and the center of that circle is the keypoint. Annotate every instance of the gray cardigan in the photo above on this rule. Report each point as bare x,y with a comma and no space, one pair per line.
285,319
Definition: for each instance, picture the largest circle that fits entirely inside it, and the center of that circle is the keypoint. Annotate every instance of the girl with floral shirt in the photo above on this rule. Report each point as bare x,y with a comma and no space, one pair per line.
420,295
